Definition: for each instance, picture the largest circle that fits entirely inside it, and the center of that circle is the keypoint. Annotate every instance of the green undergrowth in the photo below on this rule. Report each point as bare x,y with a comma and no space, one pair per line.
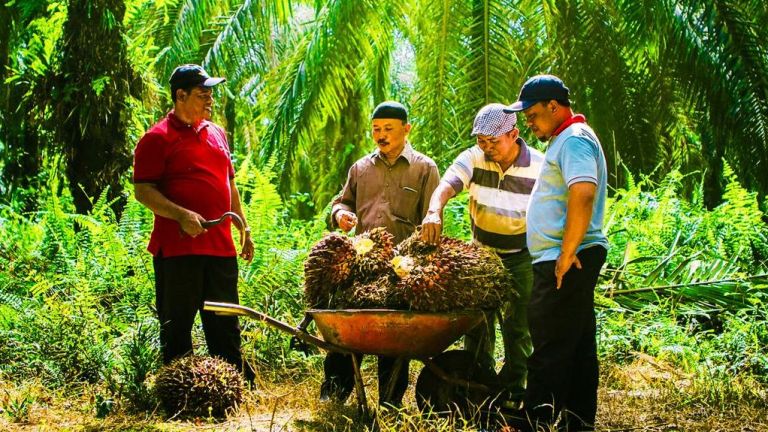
683,284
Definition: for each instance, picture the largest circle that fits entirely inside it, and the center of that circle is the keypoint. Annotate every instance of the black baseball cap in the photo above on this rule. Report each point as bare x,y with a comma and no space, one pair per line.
539,88
192,75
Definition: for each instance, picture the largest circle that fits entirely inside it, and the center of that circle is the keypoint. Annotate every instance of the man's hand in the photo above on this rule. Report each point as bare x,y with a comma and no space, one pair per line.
431,228
346,220
191,223
247,252
563,264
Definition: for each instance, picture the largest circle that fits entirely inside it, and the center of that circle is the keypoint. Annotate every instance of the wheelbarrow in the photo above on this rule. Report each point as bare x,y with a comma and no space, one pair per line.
449,379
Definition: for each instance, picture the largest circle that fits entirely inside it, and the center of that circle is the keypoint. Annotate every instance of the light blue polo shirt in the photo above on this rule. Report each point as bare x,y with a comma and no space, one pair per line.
574,156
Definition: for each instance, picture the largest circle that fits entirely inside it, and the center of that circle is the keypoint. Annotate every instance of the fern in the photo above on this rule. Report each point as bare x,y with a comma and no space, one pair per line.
10,300
736,225
664,247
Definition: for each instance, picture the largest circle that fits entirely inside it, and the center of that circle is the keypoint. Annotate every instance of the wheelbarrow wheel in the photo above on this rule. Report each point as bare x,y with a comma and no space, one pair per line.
443,397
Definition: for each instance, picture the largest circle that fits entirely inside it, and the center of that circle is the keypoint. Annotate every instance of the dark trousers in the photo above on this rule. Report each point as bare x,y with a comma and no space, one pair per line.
182,284
514,328
563,369
340,374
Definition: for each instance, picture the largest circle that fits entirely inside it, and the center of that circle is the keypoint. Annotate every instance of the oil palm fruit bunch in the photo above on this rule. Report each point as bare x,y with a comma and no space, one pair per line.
422,290
453,275
328,268
415,248
494,283
376,294
481,279
197,386
375,249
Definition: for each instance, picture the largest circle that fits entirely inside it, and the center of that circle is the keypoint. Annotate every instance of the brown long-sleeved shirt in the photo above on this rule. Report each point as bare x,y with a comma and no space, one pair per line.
392,196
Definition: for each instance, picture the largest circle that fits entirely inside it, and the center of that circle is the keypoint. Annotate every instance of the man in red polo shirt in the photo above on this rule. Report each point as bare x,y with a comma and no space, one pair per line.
183,173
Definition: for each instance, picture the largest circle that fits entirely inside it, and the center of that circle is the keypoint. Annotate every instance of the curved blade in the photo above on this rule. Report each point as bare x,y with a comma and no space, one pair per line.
235,218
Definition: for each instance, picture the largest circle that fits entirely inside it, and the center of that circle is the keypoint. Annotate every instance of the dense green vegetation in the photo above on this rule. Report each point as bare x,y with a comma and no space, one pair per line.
677,91
666,84
683,284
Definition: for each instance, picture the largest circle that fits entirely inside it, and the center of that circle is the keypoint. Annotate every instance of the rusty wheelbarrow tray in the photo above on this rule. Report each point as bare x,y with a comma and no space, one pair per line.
394,333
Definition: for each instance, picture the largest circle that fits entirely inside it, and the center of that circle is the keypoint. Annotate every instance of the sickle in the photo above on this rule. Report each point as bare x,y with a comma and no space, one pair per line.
235,218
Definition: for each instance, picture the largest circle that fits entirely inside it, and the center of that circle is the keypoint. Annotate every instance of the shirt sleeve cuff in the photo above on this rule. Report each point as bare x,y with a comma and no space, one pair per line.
455,183
145,180
582,179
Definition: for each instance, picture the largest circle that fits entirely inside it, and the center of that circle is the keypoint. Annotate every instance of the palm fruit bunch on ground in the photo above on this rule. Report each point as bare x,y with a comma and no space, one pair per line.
452,276
196,386
328,268
375,249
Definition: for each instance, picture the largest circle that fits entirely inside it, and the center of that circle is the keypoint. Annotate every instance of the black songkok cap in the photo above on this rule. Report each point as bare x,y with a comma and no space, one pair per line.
390,110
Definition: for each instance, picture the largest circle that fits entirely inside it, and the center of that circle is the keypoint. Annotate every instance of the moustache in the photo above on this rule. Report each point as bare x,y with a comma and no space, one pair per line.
382,142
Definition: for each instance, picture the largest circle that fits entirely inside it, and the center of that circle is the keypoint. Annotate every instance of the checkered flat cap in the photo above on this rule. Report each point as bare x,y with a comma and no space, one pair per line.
491,120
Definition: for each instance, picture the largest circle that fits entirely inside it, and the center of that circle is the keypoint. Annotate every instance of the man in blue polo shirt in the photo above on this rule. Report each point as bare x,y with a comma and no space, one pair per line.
568,246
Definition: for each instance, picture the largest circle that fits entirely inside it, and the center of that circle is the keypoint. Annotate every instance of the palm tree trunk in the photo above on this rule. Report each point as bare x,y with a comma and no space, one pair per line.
90,104
21,143
5,34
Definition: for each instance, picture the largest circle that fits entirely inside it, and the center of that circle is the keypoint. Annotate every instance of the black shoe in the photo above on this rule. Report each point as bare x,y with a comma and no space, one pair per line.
330,390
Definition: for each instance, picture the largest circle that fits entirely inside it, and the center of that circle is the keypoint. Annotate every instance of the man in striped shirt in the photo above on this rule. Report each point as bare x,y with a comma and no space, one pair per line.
499,173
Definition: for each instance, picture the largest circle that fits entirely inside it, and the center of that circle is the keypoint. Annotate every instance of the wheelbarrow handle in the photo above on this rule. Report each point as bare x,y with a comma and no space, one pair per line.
231,309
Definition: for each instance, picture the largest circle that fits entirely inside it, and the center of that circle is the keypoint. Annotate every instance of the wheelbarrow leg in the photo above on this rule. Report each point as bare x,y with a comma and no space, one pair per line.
362,403
392,381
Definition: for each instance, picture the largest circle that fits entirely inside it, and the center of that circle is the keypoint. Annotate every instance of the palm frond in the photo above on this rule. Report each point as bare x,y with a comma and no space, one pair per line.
715,50
188,29
244,45
436,33
317,77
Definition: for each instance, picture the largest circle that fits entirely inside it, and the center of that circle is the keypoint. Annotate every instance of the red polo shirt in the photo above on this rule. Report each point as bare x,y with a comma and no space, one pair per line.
191,166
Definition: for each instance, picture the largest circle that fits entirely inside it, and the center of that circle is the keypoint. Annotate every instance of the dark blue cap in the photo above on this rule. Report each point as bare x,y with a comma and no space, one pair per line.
191,75
539,88
390,110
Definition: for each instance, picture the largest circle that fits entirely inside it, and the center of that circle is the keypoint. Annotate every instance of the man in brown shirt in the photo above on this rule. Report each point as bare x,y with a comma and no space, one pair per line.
388,188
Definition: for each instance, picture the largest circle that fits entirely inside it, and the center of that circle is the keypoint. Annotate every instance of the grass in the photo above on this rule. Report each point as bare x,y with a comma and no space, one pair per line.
651,395
647,394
